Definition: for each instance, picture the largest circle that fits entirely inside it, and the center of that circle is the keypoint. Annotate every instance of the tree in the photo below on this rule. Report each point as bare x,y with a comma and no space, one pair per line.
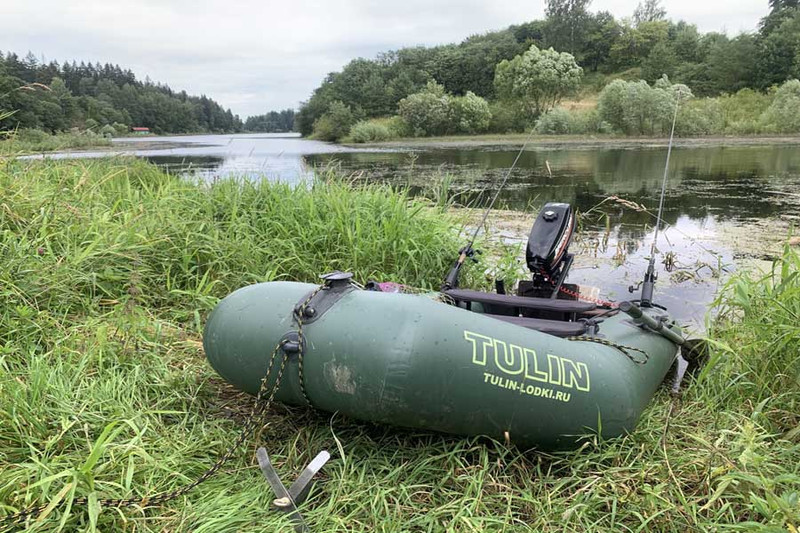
56,97
783,115
661,61
636,42
272,122
636,108
335,123
780,52
428,111
777,5
732,64
648,11
537,79
780,10
469,113
566,21
603,31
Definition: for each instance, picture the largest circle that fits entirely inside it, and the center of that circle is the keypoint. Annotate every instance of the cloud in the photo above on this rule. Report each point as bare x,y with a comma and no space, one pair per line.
254,56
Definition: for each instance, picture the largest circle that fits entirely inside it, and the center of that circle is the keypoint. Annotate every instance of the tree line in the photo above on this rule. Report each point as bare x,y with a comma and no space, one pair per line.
646,46
54,97
272,122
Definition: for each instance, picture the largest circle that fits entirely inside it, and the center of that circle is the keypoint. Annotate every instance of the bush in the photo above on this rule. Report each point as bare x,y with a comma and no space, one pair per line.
636,108
335,123
783,115
32,136
397,126
610,104
507,117
560,121
368,131
741,111
554,122
108,131
700,117
120,129
469,114
587,121
427,112
434,112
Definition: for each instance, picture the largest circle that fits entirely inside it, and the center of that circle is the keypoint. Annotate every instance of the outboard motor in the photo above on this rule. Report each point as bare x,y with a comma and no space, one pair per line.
547,253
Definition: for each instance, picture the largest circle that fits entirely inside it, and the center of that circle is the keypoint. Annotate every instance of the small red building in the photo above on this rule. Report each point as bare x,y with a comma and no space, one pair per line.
140,131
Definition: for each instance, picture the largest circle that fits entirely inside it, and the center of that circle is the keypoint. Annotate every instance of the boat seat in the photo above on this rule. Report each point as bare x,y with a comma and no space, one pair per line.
556,328
509,300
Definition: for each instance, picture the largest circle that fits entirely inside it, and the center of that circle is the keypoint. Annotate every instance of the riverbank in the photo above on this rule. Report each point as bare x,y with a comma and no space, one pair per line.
28,142
91,142
109,268
511,140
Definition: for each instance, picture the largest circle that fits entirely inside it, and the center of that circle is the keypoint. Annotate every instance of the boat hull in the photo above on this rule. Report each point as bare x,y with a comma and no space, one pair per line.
410,361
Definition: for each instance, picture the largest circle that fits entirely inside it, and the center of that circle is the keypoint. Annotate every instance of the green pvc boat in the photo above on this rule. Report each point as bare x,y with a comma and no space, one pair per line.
538,372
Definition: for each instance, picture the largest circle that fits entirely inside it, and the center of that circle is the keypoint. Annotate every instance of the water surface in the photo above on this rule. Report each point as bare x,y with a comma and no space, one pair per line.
724,204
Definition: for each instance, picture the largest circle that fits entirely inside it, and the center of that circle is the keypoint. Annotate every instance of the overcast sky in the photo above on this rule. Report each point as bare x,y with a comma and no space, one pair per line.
258,55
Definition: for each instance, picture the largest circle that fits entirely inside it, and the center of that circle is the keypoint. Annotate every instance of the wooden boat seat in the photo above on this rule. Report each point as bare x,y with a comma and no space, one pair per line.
525,302
557,328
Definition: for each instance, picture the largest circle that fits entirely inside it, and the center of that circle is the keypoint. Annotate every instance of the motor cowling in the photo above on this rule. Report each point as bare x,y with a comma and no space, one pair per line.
550,238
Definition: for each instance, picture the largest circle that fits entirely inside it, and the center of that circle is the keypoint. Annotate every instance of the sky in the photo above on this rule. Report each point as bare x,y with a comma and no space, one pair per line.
258,55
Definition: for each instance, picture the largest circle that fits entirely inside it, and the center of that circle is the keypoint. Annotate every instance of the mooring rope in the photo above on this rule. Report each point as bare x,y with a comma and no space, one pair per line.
621,347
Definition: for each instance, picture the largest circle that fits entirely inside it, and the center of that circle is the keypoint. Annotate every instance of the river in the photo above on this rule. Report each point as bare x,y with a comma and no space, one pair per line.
727,206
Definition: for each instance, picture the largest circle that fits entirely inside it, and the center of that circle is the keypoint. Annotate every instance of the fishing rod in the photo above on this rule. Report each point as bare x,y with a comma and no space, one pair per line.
451,281
650,276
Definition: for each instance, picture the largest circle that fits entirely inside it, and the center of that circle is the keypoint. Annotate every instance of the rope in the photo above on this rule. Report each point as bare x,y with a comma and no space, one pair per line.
621,347
301,350
260,406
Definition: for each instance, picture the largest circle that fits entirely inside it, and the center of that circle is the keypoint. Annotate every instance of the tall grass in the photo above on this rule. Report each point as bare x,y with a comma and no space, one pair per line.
105,233
107,269
37,141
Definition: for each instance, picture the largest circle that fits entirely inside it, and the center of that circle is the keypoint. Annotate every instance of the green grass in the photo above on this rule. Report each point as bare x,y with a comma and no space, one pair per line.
109,267
37,141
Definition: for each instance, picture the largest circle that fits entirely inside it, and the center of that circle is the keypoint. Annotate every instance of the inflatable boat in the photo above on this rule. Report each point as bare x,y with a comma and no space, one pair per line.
540,368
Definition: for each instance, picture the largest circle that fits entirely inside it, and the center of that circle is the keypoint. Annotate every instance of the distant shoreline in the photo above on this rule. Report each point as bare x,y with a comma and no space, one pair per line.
577,141
123,145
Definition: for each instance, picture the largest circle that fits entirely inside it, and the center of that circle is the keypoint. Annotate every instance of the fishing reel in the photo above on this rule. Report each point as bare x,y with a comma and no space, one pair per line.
467,252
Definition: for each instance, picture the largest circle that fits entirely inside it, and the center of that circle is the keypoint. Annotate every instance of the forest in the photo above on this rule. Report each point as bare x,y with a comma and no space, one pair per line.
643,48
272,122
622,66
56,97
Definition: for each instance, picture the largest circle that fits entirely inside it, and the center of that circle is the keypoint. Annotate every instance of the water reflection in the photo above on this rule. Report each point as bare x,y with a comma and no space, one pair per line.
730,182
710,190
